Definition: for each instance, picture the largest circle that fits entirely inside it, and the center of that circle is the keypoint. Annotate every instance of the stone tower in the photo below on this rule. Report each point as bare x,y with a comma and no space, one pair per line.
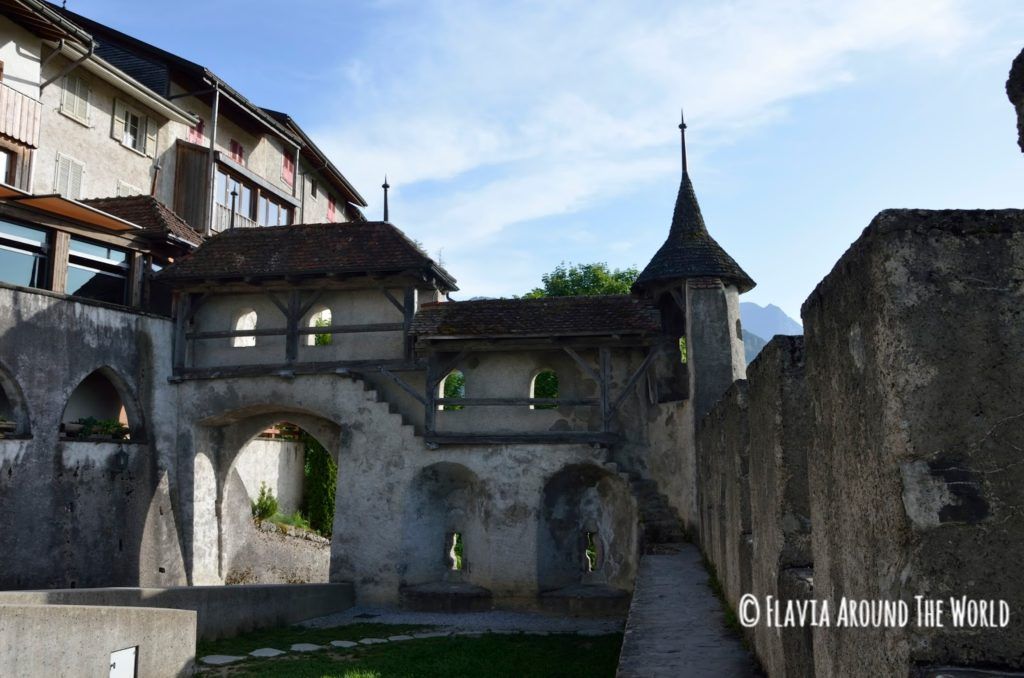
696,285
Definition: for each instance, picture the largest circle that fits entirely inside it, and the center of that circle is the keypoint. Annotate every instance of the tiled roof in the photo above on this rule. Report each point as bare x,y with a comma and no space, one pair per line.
690,251
148,213
306,250
548,316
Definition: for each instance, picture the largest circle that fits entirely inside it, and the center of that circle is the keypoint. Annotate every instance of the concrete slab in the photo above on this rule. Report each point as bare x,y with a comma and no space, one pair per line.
676,625
306,647
372,641
220,659
399,637
343,643
266,652
432,634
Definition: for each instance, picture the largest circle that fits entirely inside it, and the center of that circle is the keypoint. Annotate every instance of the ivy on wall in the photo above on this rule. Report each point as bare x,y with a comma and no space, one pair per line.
321,481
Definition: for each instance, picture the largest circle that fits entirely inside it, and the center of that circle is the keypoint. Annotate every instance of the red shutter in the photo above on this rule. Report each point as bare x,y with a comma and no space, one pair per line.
330,209
288,170
195,134
237,152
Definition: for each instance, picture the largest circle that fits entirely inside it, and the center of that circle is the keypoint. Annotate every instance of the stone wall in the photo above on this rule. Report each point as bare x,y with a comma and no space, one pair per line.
164,640
895,437
280,464
915,372
780,517
83,512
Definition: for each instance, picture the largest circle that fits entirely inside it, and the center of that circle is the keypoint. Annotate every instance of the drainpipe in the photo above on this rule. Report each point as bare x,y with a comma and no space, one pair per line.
211,168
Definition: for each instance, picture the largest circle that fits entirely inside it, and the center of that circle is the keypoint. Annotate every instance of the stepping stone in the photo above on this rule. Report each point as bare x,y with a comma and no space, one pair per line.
266,652
306,647
343,643
220,659
399,637
372,641
432,634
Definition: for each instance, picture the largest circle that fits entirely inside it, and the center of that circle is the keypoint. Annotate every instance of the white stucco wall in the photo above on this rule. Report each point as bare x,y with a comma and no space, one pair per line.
279,464
20,50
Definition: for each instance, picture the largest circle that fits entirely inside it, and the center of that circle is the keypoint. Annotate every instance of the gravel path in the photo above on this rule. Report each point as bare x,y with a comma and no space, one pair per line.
497,621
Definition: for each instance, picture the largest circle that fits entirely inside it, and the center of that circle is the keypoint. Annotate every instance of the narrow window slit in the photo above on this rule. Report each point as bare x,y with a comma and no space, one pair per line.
454,551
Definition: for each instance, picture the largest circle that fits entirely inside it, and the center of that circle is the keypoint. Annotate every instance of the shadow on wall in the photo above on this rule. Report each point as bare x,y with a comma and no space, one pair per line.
235,548
445,525
588,530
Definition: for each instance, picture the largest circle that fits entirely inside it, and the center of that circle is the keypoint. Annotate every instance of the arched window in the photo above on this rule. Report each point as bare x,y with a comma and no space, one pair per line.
320,318
13,418
452,386
245,320
544,385
96,410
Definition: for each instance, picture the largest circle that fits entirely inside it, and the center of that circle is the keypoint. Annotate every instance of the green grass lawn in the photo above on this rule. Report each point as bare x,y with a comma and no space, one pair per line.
491,655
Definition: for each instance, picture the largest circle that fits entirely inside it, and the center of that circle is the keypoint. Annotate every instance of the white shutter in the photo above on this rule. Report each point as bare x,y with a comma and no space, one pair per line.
75,180
75,99
151,132
68,179
117,122
63,172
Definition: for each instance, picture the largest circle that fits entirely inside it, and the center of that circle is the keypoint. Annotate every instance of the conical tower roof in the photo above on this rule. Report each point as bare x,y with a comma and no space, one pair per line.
690,251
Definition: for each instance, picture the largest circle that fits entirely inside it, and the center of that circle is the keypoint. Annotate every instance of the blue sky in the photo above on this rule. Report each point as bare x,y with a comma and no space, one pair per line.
519,135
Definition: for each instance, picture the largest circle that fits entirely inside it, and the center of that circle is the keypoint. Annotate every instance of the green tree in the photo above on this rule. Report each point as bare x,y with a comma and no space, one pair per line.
321,481
584,280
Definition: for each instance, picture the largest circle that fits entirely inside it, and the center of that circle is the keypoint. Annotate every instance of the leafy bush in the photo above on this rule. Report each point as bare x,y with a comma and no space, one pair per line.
91,426
454,387
321,480
322,339
265,505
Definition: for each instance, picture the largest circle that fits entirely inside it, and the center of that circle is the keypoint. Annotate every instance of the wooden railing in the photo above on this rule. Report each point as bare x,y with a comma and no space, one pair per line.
223,219
19,116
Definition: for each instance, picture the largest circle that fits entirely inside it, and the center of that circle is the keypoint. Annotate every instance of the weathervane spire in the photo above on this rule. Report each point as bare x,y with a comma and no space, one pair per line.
682,134
385,186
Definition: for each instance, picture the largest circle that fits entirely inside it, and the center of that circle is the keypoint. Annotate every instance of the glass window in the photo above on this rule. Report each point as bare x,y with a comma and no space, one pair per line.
97,271
133,131
6,165
23,255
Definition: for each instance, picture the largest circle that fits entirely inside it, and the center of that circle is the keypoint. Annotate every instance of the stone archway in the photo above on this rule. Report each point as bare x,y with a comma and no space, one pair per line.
588,530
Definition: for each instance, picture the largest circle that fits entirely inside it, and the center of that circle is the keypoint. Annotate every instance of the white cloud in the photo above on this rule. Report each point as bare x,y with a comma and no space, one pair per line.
516,112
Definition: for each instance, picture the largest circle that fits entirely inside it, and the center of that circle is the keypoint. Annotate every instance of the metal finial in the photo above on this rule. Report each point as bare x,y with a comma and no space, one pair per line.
385,186
682,134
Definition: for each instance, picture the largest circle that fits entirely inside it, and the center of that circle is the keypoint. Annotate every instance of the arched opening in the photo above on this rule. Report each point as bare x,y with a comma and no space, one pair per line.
244,320
453,386
278,501
100,409
320,318
588,531
445,537
13,417
544,385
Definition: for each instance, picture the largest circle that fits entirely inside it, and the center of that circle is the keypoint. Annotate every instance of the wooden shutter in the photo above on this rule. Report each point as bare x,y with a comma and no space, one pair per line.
60,180
288,170
190,184
330,209
117,121
75,99
151,132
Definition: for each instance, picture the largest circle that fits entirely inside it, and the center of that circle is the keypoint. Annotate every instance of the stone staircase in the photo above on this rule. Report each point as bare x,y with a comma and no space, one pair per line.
660,524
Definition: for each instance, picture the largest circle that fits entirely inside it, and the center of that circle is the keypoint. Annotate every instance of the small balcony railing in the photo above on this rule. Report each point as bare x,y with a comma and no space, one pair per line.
222,220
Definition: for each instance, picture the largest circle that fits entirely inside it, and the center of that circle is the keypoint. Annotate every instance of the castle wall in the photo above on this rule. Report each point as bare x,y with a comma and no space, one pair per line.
79,512
780,516
914,368
897,439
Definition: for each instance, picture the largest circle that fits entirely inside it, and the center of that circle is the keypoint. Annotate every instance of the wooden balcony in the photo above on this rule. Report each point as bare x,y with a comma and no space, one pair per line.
222,219
19,116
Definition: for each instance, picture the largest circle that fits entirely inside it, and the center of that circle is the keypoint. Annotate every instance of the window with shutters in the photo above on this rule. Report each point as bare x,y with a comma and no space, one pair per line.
237,151
288,170
124,189
68,181
133,129
74,102
197,134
